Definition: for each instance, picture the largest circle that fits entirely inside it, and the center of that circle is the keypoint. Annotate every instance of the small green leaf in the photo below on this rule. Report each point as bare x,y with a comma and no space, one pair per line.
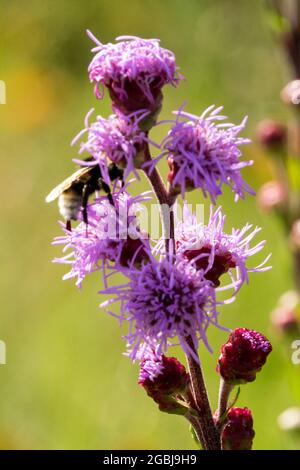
194,437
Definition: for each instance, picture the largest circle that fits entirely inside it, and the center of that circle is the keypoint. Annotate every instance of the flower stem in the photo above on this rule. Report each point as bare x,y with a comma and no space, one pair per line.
224,392
155,180
194,421
210,433
166,202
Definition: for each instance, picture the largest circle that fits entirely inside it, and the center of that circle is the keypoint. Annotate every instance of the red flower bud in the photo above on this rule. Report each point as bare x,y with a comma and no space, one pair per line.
271,134
134,251
223,261
170,379
173,170
238,432
243,356
164,379
285,320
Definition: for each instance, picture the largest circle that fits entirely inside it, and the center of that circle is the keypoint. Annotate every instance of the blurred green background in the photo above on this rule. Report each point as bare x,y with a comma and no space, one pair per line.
66,383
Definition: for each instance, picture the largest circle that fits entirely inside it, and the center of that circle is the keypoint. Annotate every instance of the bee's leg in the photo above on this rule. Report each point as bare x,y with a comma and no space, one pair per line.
107,190
68,225
122,178
85,197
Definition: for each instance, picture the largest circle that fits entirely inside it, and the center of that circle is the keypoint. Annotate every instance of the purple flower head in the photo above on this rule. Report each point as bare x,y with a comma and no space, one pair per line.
163,301
151,364
134,70
243,355
117,139
203,153
111,239
215,252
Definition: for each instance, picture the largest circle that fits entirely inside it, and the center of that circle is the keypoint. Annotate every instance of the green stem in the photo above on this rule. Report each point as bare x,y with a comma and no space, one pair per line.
166,202
209,431
224,392
194,421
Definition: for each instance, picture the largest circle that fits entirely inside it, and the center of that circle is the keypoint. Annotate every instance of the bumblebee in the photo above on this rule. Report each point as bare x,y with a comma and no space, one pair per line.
74,192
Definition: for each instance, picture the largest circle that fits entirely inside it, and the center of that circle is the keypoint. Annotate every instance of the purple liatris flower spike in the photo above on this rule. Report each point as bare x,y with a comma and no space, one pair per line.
134,70
163,301
117,139
204,153
111,239
243,355
238,432
214,251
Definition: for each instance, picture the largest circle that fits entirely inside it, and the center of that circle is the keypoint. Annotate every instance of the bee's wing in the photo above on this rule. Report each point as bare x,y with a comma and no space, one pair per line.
67,183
